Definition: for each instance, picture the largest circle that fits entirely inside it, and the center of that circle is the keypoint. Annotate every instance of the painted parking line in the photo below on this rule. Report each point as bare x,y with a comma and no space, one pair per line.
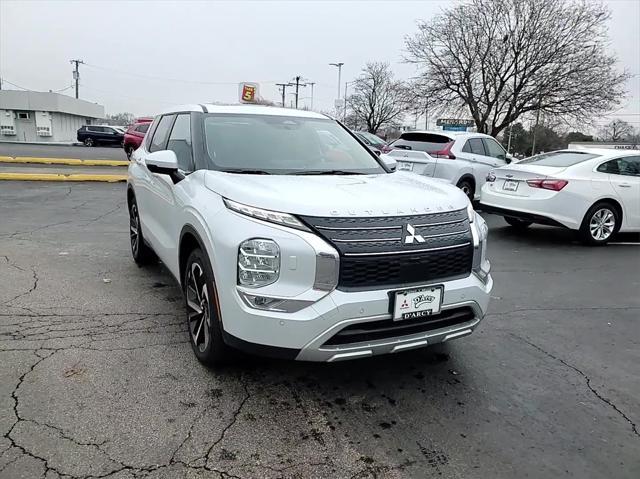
62,161
61,177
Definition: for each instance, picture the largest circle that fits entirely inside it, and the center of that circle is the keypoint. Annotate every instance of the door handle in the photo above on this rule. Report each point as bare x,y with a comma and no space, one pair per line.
625,185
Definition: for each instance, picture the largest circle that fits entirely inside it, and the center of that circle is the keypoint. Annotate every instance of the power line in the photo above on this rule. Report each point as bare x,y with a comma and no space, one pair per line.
177,80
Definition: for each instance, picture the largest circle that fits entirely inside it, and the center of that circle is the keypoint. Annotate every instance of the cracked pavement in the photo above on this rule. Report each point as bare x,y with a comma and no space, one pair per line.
97,377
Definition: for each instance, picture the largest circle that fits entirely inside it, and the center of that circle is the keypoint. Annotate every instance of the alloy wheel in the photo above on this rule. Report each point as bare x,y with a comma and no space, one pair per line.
134,229
602,224
198,307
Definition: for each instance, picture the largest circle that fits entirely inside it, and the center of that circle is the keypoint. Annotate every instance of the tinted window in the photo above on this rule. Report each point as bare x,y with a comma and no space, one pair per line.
96,129
561,159
284,145
476,146
422,142
627,166
609,167
493,148
180,142
142,128
159,139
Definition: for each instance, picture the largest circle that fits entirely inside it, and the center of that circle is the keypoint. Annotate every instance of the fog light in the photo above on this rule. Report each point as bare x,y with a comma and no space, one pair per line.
258,262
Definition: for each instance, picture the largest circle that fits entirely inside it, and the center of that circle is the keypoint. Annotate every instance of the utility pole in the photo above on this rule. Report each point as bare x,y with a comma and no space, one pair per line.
509,140
284,90
535,128
426,115
344,111
339,65
297,85
76,73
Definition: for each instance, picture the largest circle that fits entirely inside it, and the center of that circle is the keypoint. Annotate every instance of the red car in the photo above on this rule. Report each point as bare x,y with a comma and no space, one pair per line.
135,134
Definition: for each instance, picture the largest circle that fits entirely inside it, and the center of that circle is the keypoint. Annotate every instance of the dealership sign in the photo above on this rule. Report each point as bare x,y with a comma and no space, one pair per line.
454,122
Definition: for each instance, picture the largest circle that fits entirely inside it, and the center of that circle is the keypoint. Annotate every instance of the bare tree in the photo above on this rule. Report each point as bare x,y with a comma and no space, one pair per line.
502,59
120,119
616,130
378,100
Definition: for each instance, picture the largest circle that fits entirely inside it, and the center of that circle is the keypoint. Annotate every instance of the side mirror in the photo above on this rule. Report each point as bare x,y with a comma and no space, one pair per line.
164,162
508,158
389,162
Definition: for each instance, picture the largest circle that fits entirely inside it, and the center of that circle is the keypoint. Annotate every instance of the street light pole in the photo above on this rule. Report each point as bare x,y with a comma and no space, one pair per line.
339,65
312,83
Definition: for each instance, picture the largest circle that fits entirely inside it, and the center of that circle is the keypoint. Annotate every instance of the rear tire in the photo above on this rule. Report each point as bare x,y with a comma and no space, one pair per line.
129,151
141,252
89,142
467,188
600,224
203,312
518,224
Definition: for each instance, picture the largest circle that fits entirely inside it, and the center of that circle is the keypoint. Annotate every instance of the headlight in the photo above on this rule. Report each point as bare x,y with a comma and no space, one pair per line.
258,262
284,219
471,213
481,266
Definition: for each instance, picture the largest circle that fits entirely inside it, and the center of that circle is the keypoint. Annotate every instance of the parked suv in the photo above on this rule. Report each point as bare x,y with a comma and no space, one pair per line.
135,134
289,248
463,159
92,135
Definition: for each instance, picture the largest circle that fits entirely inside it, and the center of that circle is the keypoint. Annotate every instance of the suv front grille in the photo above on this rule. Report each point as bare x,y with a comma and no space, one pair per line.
377,252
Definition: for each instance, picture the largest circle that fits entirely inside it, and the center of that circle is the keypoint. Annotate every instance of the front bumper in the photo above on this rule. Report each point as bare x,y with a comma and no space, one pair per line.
306,335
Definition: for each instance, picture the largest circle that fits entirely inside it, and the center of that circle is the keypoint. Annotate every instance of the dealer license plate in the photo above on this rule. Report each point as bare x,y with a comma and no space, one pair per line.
510,185
417,303
405,166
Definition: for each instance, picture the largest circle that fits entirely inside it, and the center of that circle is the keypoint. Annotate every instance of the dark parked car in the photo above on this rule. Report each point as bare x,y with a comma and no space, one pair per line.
374,142
135,134
92,135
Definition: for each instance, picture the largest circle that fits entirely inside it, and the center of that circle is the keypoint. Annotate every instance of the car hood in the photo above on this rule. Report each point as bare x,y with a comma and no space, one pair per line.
392,194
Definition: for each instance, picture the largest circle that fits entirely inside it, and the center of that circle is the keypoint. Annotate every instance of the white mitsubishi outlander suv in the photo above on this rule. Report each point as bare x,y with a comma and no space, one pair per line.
288,246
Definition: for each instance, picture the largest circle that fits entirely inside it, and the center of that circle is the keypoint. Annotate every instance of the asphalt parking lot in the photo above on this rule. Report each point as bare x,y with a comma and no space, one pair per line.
97,378
63,151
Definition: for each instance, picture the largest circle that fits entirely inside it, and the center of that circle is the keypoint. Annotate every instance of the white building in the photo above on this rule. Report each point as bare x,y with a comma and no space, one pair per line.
44,117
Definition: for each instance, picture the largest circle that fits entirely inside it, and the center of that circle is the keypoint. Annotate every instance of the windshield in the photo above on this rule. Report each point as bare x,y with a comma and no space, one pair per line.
277,144
560,159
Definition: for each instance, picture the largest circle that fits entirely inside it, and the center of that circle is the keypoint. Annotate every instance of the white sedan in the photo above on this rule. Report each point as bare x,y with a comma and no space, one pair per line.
593,191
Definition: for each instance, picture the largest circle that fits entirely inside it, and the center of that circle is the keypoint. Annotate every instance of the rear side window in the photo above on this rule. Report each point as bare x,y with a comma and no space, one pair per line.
560,159
427,142
609,167
180,142
160,136
142,128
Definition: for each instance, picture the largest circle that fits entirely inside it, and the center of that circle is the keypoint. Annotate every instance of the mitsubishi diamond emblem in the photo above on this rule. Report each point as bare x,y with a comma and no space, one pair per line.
412,236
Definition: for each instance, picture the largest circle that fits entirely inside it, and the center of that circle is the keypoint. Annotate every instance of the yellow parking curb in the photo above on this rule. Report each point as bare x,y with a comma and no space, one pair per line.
61,177
62,161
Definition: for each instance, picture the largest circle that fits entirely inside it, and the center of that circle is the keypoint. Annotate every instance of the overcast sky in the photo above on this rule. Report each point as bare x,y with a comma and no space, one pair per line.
143,56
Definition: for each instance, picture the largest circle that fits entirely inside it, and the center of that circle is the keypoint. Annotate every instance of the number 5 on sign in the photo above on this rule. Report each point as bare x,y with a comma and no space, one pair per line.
248,92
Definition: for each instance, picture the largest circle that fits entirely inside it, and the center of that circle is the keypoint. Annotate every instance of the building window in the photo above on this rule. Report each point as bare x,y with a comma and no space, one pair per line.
23,115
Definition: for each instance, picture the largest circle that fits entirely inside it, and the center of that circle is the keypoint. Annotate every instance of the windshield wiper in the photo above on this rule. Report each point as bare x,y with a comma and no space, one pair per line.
247,172
326,172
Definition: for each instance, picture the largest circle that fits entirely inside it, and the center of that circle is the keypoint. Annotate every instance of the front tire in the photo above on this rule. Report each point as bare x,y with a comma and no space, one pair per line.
518,224
601,222
141,252
203,311
467,188
129,151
